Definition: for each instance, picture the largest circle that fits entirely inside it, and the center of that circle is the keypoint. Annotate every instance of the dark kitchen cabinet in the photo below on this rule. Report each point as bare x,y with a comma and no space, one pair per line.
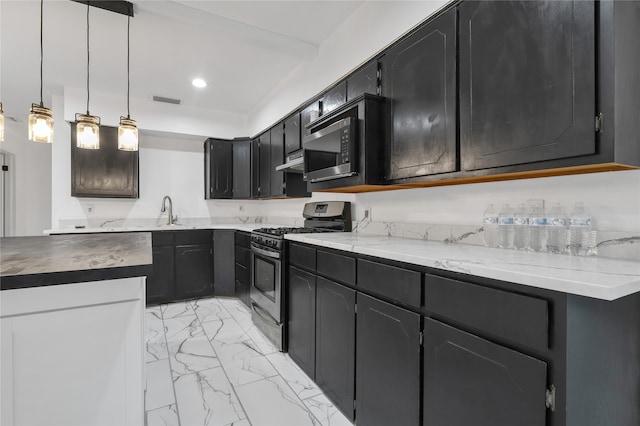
310,113
243,266
387,364
363,80
255,168
182,266
335,343
527,81
335,97
224,280
419,80
160,284
471,381
218,169
292,133
276,159
242,169
302,319
265,165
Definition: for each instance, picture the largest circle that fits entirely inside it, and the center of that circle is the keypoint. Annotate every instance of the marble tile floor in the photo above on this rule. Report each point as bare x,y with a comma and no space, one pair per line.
206,364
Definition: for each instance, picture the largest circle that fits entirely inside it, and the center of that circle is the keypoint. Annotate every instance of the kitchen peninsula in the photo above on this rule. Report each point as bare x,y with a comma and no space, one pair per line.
72,328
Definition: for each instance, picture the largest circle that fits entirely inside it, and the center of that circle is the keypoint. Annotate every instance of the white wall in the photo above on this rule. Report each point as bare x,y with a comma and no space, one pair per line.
370,28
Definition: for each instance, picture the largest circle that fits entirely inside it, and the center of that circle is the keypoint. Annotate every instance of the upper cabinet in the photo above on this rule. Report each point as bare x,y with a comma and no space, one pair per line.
277,158
363,80
527,81
335,97
292,130
419,80
242,168
218,165
264,185
310,113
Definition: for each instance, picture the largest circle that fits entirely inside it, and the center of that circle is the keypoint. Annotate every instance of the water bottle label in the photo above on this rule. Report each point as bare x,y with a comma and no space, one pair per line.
490,220
556,221
538,221
505,221
520,221
580,222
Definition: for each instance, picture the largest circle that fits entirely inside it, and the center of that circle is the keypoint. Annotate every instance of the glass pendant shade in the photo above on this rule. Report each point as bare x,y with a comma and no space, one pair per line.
87,131
1,123
127,135
40,124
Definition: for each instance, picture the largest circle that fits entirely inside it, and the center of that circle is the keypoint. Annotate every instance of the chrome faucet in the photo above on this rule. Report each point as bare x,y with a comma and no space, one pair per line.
172,219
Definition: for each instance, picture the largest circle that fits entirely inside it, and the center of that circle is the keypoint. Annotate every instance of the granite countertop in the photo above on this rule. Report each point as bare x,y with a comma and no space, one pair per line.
247,227
62,259
596,277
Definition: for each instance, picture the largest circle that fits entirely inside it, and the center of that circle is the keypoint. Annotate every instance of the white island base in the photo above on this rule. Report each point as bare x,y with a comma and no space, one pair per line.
73,354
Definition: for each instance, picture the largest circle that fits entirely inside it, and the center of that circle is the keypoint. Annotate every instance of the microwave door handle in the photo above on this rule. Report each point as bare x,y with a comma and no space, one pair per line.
266,253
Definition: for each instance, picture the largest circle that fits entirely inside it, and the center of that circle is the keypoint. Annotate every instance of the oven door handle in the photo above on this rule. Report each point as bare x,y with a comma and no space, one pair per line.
274,255
264,315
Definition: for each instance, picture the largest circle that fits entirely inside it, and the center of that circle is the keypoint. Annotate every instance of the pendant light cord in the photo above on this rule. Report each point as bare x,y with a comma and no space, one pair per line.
88,58
41,50
128,60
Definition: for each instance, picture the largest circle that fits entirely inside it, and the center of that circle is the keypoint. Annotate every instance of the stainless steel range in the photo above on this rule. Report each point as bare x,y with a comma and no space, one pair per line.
268,259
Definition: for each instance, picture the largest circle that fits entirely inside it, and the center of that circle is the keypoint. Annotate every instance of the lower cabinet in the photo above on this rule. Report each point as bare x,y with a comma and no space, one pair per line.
182,266
335,343
224,262
243,267
471,381
387,364
302,319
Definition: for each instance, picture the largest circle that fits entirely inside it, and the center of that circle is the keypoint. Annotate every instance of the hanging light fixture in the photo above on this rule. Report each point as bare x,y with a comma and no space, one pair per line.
128,130
87,125
1,123
40,118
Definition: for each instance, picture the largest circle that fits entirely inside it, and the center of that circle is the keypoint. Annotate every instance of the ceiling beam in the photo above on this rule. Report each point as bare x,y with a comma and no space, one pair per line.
117,6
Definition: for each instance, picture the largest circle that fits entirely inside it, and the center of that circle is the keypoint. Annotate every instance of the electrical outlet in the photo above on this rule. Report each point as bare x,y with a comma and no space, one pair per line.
535,206
90,210
367,213
241,207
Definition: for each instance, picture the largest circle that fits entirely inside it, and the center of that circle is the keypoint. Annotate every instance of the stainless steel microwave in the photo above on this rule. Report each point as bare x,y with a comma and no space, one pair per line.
331,152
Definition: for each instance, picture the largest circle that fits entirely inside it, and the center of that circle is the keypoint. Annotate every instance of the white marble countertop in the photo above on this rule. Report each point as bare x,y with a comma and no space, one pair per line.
247,227
600,278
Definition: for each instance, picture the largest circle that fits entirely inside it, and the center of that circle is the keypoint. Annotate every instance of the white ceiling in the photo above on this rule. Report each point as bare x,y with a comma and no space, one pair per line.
241,48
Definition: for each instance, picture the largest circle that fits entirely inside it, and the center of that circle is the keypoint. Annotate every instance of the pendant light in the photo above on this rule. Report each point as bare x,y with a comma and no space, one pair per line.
128,130
1,123
88,126
40,118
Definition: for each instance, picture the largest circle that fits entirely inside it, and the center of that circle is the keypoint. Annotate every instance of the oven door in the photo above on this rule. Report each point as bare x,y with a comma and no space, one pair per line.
266,283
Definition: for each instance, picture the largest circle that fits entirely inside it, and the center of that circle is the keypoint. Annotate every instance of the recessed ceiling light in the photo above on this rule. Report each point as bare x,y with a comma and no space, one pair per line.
198,82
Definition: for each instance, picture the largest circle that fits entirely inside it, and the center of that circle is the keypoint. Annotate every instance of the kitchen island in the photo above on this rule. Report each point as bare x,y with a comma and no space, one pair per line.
72,318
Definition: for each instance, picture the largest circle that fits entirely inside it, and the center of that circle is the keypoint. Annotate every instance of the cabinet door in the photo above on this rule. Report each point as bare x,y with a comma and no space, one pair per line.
363,80
161,281
527,81
310,113
265,165
292,133
471,381
335,343
221,169
255,168
419,78
194,271
302,319
224,262
387,364
277,159
242,169
335,97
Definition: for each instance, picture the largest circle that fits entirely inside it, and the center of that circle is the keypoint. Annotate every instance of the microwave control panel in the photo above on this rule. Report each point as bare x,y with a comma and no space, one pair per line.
344,145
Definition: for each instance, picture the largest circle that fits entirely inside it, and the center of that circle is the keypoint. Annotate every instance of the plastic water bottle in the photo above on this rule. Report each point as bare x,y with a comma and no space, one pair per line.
490,225
537,230
556,229
520,228
581,237
505,227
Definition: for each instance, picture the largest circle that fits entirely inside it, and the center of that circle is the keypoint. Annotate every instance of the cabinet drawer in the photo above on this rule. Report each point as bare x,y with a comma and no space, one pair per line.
242,274
518,318
243,256
399,284
336,266
243,239
194,237
162,238
302,256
